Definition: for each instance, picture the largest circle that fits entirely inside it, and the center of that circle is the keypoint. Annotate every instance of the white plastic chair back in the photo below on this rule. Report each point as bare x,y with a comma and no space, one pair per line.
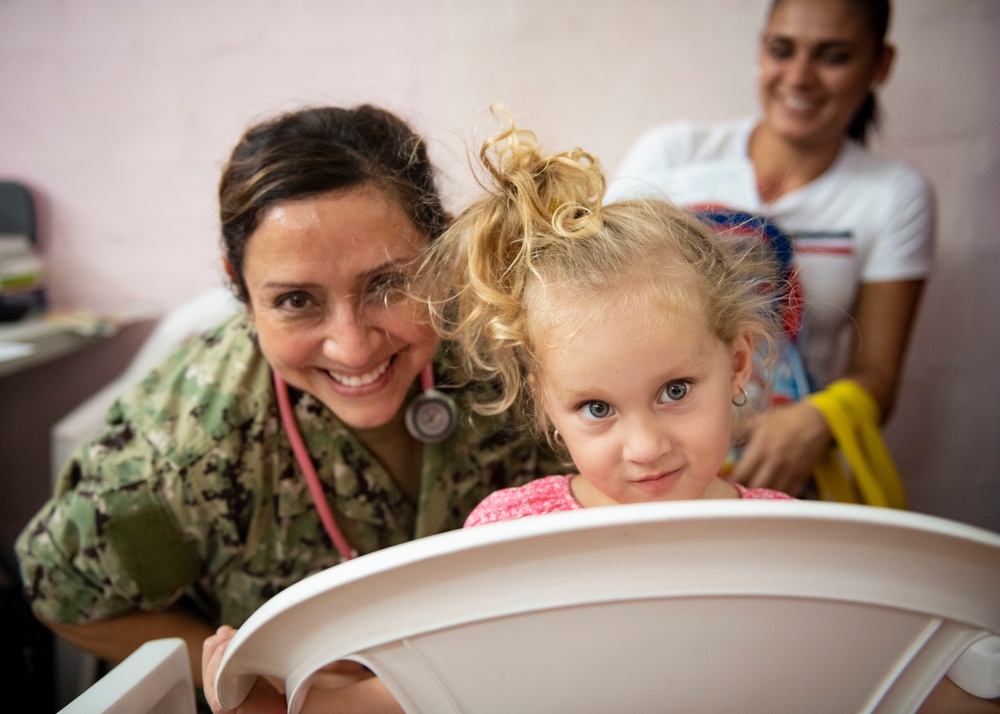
701,606
155,679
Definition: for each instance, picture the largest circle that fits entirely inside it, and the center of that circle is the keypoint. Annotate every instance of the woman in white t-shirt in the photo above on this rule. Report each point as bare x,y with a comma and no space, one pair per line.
861,224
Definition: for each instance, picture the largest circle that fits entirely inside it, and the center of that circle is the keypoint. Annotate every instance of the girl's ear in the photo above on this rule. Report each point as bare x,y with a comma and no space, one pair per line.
742,363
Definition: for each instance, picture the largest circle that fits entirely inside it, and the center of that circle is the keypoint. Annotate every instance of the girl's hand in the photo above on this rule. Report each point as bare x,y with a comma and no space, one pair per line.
783,447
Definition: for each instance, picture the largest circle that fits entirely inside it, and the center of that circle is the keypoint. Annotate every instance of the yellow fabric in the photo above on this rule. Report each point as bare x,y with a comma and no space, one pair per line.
859,469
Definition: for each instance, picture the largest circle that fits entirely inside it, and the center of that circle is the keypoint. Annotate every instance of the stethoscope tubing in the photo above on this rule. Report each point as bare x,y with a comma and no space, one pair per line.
305,463
309,471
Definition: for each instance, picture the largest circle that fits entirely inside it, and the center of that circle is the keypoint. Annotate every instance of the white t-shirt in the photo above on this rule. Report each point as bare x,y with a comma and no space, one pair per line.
865,219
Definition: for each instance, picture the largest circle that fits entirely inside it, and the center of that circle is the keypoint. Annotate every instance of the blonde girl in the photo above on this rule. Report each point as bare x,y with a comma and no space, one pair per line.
625,333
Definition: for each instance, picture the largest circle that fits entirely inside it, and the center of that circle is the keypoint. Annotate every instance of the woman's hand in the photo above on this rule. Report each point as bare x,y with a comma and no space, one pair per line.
263,698
783,447
340,686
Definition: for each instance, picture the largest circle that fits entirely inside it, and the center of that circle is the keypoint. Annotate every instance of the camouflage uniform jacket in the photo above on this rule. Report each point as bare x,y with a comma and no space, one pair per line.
192,492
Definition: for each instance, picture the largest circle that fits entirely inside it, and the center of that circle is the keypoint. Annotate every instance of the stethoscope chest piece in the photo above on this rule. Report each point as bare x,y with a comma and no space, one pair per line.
431,417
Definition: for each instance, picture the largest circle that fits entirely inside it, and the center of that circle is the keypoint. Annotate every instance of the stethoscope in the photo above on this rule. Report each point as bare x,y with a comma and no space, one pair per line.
430,418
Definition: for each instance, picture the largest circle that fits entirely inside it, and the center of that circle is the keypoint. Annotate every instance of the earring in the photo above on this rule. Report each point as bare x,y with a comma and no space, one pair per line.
741,400
556,439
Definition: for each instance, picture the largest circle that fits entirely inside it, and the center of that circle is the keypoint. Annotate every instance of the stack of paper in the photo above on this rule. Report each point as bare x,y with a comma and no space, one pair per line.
22,278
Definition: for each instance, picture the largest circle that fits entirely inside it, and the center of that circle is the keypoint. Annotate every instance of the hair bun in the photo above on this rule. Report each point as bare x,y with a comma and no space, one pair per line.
557,193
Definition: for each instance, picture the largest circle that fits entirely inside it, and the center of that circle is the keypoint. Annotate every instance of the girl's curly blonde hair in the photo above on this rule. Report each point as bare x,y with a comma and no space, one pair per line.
539,255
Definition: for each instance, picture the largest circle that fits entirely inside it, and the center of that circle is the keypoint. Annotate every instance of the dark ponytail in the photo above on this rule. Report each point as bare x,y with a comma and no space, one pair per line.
877,14
867,118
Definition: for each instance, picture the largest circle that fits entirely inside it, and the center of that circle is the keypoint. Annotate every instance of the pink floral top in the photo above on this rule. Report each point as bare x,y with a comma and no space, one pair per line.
551,495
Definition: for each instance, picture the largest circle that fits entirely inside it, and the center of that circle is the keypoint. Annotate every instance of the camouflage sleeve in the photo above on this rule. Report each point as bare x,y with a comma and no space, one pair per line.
108,542
177,497
116,535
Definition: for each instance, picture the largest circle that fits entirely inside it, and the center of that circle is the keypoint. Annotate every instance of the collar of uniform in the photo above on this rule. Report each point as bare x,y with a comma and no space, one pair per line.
361,492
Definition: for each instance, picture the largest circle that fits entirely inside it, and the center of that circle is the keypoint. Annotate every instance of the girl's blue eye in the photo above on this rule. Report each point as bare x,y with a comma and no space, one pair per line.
674,391
596,410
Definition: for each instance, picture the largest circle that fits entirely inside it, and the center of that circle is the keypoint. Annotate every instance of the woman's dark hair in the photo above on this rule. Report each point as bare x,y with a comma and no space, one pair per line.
876,15
312,151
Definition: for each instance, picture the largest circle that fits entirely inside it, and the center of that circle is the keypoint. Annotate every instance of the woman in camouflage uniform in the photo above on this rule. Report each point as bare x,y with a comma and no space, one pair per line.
190,510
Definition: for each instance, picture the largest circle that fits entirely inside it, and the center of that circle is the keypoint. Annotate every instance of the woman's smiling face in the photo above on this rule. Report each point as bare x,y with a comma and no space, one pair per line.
818,61
323,275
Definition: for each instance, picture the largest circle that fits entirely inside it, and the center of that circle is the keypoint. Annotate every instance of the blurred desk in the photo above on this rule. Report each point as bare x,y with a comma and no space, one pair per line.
31,342
57,366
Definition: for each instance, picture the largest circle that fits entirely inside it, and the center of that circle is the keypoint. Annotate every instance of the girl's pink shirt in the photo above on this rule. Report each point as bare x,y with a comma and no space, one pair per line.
552,494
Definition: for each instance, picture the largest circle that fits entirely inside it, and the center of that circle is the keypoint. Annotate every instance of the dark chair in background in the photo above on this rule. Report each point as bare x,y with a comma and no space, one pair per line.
17,210
20,292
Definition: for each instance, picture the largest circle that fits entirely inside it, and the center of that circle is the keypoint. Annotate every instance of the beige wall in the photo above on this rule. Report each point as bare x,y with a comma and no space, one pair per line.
120,113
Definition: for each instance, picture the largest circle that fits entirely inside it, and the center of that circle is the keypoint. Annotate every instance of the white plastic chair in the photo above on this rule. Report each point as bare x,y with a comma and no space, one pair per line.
701,606
155,679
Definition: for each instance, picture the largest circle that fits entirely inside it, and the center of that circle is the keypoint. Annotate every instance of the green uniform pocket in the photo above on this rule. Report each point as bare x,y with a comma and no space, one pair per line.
153,551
